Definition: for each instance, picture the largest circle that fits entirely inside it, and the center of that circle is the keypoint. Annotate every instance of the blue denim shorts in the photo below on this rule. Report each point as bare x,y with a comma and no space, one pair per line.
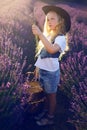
49,80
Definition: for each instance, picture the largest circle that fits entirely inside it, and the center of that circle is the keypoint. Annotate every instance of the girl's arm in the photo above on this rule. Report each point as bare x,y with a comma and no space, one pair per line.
36,73
51,48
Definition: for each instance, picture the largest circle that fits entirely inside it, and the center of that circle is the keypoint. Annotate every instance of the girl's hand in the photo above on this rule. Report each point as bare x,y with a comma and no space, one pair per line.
36,30
36,73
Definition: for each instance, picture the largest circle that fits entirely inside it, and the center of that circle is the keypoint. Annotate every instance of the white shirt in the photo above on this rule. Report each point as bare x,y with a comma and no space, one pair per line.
52,64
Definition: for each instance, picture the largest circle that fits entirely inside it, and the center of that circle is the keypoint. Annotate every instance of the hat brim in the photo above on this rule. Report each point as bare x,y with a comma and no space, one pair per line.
64,14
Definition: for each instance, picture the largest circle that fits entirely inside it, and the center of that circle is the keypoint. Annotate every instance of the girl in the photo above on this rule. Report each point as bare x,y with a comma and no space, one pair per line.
52,44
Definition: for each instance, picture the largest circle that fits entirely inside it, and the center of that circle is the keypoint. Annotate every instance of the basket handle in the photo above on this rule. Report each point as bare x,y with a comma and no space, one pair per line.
33,78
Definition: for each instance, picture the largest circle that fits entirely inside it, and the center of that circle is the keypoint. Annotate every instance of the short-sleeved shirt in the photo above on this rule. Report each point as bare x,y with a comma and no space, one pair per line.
52,64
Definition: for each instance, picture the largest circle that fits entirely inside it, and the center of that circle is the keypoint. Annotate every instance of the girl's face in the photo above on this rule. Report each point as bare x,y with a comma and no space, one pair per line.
52,20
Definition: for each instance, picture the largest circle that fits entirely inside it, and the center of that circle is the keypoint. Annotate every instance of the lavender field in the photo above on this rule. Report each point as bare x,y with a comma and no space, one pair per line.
17,57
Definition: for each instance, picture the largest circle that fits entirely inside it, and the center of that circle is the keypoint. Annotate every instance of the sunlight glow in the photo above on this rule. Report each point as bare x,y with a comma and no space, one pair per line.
12,8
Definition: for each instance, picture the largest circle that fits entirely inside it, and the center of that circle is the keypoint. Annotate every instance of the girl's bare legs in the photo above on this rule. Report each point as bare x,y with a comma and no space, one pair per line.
50,103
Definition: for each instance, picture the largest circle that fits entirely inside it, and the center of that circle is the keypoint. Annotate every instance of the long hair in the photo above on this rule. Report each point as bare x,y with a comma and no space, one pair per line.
60,29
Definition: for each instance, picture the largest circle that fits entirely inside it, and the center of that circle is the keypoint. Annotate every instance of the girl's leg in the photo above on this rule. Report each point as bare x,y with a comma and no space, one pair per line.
52,103
49,118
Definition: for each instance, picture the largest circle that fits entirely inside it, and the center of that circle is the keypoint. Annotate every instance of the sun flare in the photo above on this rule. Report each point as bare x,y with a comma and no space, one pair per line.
12,8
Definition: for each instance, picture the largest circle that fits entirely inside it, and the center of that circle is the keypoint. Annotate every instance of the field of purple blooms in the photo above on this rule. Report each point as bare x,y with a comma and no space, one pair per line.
17,51
74,77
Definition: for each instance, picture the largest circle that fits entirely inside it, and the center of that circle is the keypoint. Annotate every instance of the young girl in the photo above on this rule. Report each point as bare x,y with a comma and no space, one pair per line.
52,44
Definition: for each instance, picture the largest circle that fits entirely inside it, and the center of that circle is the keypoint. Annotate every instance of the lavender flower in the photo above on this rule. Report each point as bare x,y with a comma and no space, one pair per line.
74,74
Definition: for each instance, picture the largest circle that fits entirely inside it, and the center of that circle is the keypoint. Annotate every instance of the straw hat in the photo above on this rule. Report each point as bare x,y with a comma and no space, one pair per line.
64,14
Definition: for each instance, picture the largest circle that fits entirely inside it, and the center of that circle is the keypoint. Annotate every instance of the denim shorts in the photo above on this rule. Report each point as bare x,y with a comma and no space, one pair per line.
49,80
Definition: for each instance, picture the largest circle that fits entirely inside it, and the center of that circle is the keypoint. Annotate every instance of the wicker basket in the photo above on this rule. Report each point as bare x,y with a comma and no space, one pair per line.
37,97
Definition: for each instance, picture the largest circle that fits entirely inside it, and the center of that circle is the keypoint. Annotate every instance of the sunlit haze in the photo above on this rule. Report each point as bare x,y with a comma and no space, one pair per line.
11,8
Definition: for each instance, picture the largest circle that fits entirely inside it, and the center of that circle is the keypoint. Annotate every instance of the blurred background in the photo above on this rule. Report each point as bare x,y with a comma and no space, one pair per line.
17,57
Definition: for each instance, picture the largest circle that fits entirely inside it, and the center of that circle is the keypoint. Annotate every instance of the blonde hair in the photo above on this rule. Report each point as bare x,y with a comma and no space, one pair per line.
60,29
